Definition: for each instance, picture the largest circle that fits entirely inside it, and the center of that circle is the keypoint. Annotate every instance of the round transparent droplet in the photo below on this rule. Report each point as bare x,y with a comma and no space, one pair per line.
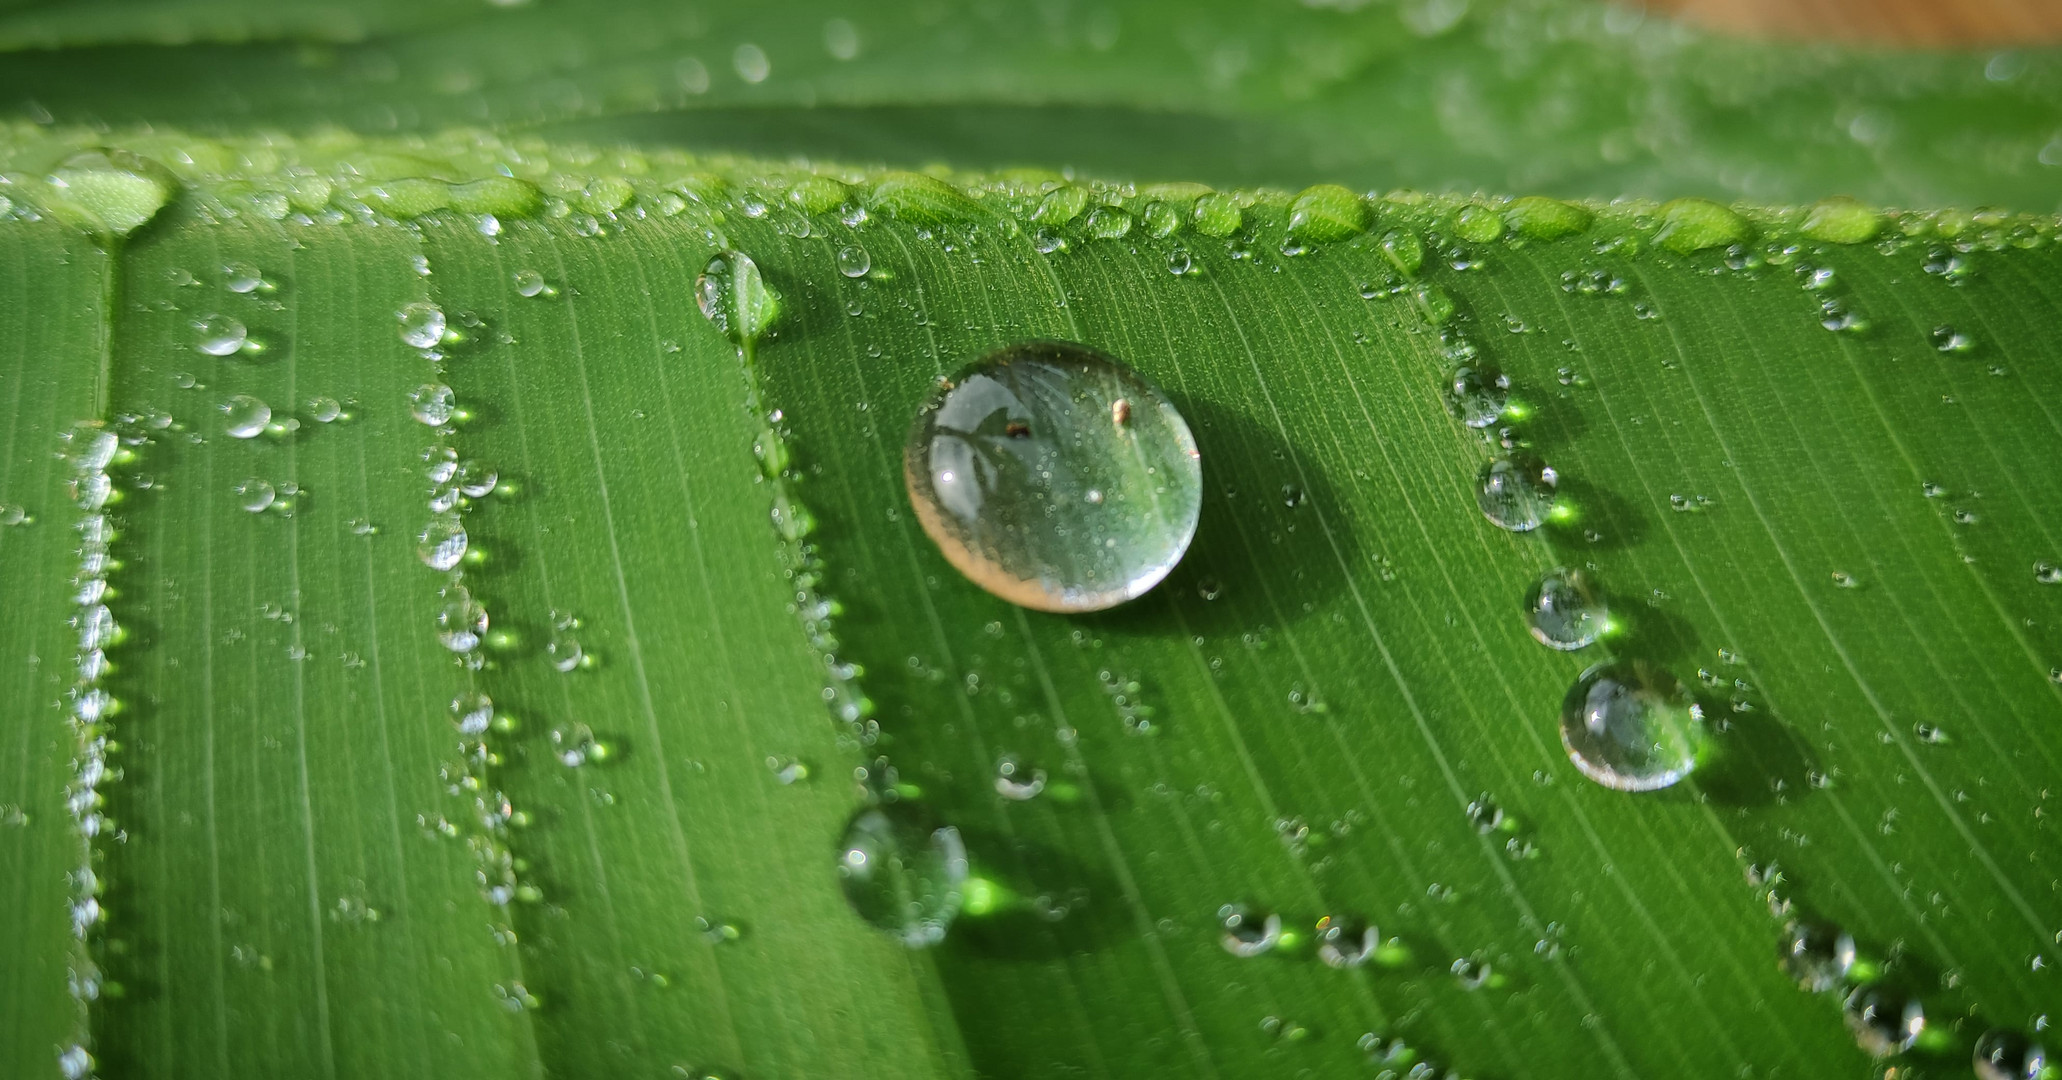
219,335
1248,932
530,283
13,514
1179,261
461,621
242,277
325,409
564,651
573,744
1017,782
1816,955
1478,395
2008,1055
422,324
432,404
902,872
472,713
442,542
255,495
1345,943
1516,492
245,417
1883,1022
476,480
1564,611
853,261
1631,726
1055,477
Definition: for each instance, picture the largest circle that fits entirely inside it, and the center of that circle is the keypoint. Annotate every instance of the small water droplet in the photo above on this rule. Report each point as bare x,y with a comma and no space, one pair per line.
564,651
1000,460
255,495
219,335
2047,573
472,713
1950,340
573,744
1564,611
325,410
787,770
902,873
1477,395
432,404
734,297
422,324
1179,262
1344,942
1516,492
751,63
1248,932
244,416
853,261
1631,726
14,514
442,543
461,620
1472,973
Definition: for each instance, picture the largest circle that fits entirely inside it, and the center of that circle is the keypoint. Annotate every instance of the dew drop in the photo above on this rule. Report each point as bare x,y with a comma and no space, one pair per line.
244,416
1631,726
472,713
461,620
1816,955
2047,573
219,335
422,325
564,651
325,410
1516,492
14,514
442,542
573,744
531,284
853,261
1884,1024
1947,339
2007,1055
432,404
242,277
476,480
1478,395
1016,782
1000,461
902,873
1248,932
733,296
1179,262
1345,943
255,495
1564,611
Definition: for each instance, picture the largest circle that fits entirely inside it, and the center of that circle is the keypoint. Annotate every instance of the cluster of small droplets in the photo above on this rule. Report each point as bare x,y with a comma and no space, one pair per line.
1124,695
91,450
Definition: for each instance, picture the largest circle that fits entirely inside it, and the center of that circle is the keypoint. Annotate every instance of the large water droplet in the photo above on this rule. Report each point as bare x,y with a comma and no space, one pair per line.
255,495
461,620
2007,1055
472,712
853,261
244,416
1478,395
219,335
432,403
422,325
242,277
1883,1023
1055,477
1631,726
1816,955
1564,611
530,283
902,873
1516,492
733,295
442,542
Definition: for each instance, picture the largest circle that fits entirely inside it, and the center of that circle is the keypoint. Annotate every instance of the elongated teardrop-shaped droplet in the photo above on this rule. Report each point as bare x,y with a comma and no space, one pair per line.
1564,611
1055,477
734,297
1631,726
1816,955
1516,492
2007,1055
902,872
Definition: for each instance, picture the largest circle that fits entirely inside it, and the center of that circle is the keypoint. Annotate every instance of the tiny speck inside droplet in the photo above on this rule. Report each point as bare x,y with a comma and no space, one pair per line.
1003,459
902,873
1631,726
